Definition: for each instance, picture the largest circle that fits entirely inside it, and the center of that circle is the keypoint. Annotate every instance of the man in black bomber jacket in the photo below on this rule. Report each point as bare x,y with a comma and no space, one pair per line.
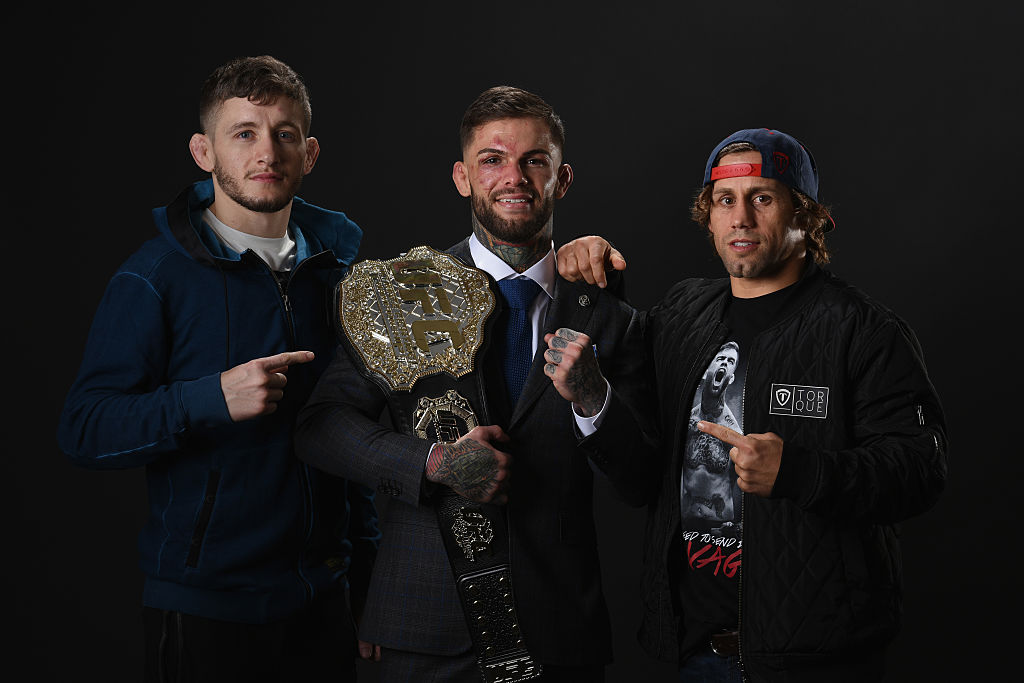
843,437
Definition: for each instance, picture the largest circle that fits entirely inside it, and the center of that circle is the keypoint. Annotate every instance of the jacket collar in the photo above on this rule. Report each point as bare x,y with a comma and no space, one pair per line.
315,230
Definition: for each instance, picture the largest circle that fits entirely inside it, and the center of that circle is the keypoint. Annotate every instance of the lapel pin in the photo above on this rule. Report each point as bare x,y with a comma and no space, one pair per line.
584,300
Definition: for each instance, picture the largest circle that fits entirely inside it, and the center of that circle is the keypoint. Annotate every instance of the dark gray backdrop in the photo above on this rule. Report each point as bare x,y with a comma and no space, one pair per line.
907,108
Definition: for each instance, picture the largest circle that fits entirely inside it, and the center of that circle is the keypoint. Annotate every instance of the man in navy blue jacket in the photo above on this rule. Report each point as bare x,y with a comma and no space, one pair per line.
207,342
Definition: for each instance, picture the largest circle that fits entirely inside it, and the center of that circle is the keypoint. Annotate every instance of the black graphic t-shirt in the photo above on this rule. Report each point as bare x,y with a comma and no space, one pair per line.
710,500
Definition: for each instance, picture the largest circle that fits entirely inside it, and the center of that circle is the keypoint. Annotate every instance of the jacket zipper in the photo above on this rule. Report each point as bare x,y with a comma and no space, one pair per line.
714,338
686,397
304,482
743,508
282,291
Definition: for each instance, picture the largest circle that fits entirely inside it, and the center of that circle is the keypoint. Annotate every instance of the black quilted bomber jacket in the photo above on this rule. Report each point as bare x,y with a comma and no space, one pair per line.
821,574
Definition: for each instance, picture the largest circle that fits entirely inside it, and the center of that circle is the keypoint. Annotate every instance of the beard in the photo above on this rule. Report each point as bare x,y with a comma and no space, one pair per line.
773,258
752,268
511,231
232,188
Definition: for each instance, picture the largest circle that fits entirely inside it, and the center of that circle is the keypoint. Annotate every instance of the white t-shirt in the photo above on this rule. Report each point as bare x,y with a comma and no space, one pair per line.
277,252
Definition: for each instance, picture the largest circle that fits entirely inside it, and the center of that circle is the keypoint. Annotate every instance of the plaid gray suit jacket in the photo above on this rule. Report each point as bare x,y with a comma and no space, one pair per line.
413,604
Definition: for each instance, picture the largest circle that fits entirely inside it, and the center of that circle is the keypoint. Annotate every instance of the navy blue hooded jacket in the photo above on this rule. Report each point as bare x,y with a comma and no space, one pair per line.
238,529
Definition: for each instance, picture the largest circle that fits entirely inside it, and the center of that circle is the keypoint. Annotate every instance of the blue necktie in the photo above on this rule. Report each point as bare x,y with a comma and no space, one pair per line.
519,293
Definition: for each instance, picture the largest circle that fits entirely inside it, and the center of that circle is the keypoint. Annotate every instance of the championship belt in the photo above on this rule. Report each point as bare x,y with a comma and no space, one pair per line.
417,324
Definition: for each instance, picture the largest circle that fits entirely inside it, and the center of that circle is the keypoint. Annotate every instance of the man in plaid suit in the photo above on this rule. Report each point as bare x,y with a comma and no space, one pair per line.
527,460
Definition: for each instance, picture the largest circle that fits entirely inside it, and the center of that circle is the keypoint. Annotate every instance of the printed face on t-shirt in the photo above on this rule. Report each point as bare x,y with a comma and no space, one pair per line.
708,491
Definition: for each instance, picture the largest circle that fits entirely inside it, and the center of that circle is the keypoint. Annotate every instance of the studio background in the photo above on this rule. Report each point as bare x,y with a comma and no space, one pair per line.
908,108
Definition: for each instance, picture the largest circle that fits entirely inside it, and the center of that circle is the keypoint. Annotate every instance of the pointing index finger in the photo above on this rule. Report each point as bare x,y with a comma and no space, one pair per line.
597,258
283,360
618,261
721,432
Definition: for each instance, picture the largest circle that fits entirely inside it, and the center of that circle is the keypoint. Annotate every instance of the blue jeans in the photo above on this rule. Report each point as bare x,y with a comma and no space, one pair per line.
707,667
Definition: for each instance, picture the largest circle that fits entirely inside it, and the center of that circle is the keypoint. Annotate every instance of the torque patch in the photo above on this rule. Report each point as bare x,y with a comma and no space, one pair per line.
799,401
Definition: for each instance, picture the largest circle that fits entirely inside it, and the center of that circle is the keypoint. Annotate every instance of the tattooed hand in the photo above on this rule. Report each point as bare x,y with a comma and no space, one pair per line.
471,466
572,366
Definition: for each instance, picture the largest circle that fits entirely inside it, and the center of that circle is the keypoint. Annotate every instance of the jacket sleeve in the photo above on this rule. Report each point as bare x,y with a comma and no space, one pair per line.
121,411
624,446
340,431
897,466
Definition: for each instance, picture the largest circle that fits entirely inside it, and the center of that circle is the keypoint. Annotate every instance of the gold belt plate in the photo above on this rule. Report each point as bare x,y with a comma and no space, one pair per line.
415,315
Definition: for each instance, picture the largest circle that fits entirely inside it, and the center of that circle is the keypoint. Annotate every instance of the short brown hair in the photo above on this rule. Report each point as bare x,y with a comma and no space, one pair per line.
810,216
508,102
260,80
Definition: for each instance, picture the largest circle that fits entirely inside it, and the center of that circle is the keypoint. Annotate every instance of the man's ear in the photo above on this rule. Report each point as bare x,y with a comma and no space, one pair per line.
461,178
312,152
202,151
564,180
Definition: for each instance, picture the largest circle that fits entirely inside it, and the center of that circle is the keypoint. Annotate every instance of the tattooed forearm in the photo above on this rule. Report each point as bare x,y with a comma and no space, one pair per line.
581,380
584,381
467,467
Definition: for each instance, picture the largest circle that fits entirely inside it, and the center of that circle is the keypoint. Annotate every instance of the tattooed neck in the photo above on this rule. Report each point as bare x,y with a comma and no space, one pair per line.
519,256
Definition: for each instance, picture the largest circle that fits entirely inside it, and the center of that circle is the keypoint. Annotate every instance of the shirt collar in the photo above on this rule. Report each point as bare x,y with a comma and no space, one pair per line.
542,272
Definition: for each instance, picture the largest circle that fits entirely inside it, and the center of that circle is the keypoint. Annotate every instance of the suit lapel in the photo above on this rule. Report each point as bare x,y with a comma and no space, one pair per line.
572,307
497,407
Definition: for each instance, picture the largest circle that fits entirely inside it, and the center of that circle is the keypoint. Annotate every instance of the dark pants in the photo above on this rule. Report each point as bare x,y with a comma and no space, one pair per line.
316,644
397,666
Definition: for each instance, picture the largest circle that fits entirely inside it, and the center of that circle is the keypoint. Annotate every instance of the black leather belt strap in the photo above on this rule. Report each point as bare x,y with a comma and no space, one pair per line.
475,535
726,643
476,538
438,316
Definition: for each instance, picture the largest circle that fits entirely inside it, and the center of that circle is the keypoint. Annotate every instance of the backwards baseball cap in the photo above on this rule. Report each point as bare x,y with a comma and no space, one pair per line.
783,157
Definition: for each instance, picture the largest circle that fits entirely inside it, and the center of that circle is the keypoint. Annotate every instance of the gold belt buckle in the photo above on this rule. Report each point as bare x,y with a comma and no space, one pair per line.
415,315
